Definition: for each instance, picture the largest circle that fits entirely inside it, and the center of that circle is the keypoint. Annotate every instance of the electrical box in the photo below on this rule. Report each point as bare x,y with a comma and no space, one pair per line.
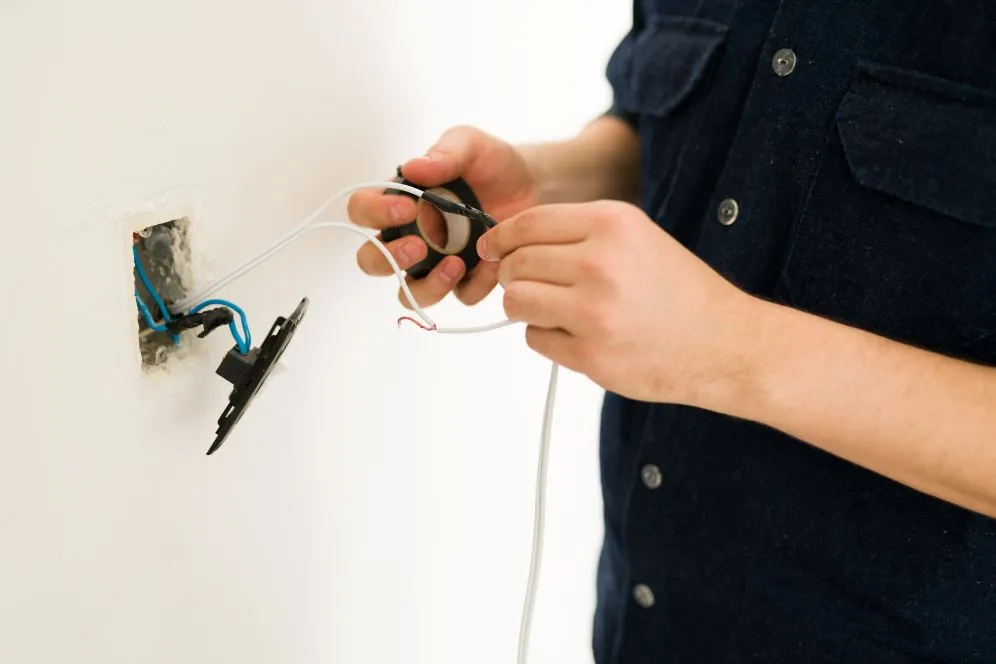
163,253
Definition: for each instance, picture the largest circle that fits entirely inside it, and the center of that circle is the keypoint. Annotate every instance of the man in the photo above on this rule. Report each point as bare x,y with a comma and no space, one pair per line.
794,327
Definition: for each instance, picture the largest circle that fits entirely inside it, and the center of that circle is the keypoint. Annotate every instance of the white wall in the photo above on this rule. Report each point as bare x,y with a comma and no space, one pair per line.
375,503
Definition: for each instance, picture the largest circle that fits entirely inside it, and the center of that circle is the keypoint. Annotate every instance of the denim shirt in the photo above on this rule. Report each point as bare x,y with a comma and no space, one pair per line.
838,156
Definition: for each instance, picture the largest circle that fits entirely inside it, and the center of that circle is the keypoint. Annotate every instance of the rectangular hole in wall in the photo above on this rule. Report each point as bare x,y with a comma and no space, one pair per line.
163,251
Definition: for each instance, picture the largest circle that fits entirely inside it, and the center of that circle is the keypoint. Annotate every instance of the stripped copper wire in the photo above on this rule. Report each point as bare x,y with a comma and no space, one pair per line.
410,319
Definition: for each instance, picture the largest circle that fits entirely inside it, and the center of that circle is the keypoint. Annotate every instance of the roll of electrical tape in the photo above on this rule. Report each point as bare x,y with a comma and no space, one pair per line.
462,233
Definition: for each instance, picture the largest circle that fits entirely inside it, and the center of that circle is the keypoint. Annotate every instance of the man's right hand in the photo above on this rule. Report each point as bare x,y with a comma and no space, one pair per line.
497,173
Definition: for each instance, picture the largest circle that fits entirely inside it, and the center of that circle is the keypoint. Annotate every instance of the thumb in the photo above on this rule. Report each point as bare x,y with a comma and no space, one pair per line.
448,159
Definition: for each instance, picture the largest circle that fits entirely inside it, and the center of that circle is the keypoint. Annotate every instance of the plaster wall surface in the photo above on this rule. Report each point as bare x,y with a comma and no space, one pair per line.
375,503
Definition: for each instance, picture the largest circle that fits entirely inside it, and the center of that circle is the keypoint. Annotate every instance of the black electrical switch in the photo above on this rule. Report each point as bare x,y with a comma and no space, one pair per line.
248,372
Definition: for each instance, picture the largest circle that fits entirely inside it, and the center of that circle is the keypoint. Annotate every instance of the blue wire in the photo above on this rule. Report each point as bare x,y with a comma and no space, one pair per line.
155,296
244,343
155,327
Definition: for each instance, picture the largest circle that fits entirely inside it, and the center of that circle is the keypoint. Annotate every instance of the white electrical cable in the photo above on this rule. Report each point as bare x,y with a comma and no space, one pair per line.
539,520
302,228
310,224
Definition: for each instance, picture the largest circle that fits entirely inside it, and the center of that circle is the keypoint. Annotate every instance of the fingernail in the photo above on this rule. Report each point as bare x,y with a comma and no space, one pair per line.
452,270
482,248
397,213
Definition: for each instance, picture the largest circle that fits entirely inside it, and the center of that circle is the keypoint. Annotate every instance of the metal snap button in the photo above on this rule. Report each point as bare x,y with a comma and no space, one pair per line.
643,595
651,476
784,61
728,211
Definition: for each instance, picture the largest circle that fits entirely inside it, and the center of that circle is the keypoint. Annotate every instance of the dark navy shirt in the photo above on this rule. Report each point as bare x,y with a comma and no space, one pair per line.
838,156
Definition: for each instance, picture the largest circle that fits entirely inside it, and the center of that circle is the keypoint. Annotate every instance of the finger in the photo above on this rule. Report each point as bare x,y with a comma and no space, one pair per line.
541,305
373,208
547,263
480,282
557,346
545,224
406,251
448,159
436,285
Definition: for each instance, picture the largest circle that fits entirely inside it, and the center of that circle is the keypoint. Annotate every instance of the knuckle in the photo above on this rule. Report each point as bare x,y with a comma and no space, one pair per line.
609,209
608,216
593,267
462,130
604,324
612,207
461,137
468,134
602,221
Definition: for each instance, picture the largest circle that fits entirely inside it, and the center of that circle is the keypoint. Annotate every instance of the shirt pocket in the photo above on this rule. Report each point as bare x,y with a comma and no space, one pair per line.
658,76
898,232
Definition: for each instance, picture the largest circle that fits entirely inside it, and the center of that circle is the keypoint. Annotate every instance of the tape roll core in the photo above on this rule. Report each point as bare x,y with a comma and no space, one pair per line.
462,233
458,229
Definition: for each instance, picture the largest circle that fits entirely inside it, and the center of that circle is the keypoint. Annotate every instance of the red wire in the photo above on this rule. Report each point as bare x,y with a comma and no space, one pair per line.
417,322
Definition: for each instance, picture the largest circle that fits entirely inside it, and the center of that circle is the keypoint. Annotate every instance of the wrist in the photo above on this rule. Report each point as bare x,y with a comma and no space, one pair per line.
540,162
747,355
601,162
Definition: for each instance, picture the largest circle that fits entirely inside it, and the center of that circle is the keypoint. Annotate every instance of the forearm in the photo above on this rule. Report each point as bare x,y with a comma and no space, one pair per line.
922,419
601,162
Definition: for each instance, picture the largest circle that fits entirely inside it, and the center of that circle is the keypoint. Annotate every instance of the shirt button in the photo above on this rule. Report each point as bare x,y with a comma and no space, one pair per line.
728,211
651,476
643,595
783,63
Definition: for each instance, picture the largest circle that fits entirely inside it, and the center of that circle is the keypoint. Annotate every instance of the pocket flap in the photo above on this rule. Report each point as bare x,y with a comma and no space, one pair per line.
655,69
924,140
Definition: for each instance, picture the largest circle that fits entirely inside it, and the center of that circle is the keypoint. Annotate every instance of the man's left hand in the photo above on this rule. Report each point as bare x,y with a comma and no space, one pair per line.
607,293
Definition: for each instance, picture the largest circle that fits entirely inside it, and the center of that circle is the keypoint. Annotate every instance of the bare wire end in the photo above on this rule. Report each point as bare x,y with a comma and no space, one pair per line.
427,328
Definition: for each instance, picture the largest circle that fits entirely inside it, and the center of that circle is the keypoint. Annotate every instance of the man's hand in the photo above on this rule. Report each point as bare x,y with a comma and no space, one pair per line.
607,293
600,162
496,172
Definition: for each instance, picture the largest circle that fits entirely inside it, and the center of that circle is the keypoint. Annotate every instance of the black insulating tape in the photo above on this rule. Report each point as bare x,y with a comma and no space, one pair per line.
468,253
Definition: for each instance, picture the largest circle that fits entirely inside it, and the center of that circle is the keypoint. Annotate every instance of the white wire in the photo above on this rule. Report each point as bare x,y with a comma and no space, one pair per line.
282,243
310,224
539,521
